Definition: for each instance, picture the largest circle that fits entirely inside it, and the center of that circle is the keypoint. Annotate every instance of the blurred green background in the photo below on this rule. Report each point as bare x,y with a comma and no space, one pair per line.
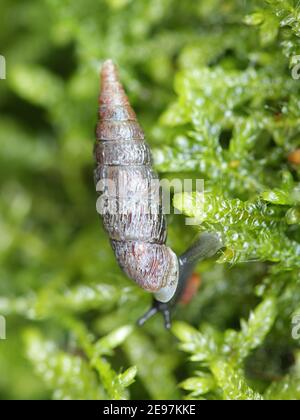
60,287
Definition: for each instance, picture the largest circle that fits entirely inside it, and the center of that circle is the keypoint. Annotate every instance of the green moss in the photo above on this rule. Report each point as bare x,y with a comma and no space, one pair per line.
233,120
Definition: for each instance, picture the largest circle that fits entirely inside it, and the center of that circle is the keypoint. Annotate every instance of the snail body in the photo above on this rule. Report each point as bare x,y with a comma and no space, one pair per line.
132,211
131,203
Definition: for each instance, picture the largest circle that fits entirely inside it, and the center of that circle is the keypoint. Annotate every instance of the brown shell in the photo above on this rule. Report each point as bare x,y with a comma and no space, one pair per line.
137,231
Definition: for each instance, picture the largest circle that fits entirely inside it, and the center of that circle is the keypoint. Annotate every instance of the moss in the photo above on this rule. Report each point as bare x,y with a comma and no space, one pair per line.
232,120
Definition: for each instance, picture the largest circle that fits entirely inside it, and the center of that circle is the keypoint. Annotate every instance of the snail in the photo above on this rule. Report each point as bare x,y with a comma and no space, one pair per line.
131,203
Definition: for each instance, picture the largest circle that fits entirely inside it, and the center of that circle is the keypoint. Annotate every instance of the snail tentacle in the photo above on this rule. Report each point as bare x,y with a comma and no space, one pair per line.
157,307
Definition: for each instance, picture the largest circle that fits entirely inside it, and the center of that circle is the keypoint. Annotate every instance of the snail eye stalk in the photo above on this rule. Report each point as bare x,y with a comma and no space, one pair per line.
157,307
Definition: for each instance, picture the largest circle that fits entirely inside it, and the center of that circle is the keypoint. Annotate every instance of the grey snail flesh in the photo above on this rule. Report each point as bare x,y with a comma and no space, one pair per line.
130,206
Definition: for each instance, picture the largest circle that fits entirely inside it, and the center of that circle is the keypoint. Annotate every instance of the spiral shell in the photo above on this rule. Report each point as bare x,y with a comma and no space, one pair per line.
131,206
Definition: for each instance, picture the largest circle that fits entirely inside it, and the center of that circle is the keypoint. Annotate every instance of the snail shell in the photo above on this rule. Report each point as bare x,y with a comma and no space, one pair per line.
130,199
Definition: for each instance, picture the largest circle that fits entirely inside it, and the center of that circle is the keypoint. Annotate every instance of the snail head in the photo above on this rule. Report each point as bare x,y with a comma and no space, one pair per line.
206,246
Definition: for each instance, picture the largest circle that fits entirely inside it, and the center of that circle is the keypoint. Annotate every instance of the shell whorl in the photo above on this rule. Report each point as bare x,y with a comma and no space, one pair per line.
137,229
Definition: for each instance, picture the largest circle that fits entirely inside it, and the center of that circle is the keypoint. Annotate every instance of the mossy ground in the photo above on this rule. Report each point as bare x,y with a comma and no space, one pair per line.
232,120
